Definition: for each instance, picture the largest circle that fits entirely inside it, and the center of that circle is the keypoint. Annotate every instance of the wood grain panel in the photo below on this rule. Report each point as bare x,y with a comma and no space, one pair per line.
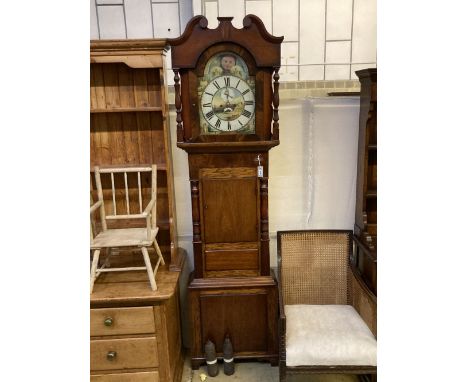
130,137
232,273
173,333
144,137
140,88
161,336
222,222
154,88
124,321
157,138
97,82
92,89
228,173
116,138
199,163
102,146
126,90
242,316
132,353
111,86
147,376
224,260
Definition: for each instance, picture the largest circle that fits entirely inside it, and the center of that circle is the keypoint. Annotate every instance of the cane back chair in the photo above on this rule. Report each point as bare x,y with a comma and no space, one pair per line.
142,238
328,315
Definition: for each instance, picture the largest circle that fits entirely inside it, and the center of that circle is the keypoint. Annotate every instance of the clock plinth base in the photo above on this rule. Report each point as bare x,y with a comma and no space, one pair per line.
245,308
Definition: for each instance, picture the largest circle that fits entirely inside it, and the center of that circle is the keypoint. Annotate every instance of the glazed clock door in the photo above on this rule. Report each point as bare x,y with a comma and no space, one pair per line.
230,221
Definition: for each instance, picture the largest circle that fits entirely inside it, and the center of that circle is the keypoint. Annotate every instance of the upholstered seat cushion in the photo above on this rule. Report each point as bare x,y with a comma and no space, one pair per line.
328,335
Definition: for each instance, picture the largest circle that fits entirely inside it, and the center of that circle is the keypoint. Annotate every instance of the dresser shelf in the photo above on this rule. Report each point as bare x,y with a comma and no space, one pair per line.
129,120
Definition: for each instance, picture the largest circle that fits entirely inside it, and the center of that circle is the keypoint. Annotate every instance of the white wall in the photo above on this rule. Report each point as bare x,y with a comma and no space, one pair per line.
323,39
313,170
312,181
122,19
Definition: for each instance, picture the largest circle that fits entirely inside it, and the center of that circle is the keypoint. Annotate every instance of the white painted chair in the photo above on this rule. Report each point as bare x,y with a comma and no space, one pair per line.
126,237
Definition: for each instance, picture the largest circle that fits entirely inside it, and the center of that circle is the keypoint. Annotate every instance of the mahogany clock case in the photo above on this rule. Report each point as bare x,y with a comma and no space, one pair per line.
232,291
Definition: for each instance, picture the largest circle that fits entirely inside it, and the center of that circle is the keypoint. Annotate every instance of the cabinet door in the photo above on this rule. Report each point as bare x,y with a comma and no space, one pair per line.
230,206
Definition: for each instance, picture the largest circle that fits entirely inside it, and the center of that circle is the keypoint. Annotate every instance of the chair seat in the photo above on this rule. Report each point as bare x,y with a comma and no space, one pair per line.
328,335
124,237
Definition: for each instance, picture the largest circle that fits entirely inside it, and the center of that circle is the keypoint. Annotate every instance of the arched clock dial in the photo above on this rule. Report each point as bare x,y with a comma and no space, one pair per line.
228,104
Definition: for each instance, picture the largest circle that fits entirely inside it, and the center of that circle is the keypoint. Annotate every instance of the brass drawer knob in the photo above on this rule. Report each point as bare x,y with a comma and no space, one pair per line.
108,321
111,355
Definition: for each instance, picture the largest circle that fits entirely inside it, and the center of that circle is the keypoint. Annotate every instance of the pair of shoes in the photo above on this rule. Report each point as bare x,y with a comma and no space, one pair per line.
212,361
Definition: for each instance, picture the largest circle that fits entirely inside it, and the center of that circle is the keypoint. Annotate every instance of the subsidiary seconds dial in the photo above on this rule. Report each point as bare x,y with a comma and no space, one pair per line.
228,103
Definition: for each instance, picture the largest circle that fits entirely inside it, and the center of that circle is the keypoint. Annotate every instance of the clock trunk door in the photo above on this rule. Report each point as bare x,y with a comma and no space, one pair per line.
230,210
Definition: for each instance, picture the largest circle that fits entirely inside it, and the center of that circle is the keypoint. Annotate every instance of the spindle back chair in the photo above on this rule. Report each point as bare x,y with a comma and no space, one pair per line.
125,237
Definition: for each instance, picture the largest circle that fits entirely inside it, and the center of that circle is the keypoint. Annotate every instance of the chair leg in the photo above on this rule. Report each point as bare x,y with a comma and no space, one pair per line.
148,268
93,268
160,258
158,251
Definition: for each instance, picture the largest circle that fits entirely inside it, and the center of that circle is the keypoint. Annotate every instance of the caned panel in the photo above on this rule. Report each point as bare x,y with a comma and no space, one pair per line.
314,267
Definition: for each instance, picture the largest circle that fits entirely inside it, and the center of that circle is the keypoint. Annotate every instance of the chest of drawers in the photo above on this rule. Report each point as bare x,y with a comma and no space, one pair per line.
135,332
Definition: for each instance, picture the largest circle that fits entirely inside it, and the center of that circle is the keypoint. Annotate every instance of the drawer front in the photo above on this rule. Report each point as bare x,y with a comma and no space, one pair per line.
149,376
128,353
117,321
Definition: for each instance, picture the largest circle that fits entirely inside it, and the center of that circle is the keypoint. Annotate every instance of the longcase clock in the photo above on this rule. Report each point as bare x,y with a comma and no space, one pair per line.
226,96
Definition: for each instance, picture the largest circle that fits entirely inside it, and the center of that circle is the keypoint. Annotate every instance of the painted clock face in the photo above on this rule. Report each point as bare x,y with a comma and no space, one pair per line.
226,96
228,104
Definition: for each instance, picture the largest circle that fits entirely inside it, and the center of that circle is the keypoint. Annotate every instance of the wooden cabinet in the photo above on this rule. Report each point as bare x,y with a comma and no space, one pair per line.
365,228
135,332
